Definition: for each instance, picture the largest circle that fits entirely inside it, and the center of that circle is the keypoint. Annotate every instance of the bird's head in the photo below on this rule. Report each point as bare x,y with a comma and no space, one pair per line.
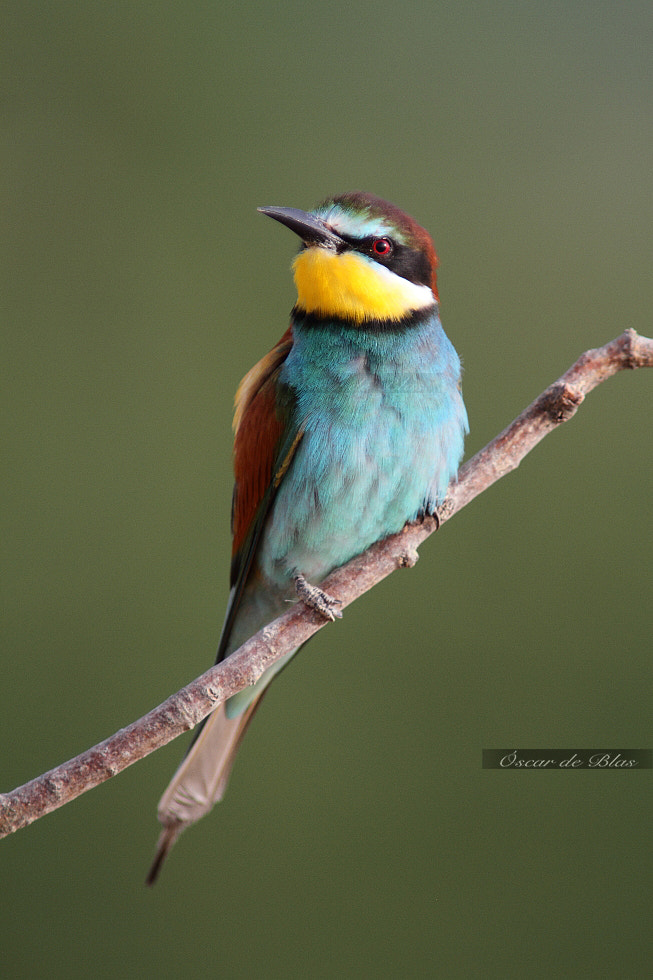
360,259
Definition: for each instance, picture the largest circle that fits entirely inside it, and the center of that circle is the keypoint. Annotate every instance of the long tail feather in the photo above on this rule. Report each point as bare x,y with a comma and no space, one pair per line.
201,779
167,838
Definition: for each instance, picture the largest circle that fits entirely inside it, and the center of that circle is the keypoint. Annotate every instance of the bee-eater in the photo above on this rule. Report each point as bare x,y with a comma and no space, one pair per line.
352,425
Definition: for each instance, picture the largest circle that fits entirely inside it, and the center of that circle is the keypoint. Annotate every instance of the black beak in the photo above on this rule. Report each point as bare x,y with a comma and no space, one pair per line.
311,230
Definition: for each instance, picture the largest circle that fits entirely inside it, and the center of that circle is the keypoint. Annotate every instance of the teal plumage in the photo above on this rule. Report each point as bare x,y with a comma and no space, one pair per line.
383,437
350,427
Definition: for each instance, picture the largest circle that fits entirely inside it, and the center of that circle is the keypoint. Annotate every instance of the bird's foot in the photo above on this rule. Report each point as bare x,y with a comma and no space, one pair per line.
433,512
316,599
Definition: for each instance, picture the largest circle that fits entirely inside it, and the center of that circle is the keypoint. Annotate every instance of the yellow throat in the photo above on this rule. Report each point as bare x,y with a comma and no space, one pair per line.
349,286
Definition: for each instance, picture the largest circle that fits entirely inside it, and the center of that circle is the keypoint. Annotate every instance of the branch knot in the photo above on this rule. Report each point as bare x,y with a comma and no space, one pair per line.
632,352
561,401
408,559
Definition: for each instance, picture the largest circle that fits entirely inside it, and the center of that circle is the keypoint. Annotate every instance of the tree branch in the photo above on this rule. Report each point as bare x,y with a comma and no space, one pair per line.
189,706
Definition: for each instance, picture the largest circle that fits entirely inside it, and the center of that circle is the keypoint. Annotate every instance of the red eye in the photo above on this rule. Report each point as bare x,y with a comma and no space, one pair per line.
382,246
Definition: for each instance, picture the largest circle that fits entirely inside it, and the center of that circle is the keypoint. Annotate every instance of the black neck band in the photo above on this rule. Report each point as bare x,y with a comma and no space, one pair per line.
315,321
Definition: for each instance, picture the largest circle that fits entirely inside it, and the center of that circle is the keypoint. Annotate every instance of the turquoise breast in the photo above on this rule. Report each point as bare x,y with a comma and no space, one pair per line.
384,424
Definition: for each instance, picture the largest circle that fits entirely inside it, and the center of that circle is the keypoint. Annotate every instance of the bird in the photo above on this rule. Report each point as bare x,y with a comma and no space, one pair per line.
351,426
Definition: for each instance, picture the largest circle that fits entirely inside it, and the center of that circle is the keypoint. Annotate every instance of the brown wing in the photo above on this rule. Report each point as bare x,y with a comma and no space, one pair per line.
258,431
267,435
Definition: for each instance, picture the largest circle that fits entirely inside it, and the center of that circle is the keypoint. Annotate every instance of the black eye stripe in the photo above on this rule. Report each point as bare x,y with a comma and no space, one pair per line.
409,263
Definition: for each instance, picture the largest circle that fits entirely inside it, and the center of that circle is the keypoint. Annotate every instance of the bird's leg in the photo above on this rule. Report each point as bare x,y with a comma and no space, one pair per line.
316,599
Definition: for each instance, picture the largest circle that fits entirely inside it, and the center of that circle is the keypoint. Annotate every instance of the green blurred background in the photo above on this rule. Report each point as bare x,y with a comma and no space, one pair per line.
359,837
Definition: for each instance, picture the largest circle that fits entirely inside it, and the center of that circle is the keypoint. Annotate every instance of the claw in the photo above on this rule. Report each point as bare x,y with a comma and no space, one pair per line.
316,599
